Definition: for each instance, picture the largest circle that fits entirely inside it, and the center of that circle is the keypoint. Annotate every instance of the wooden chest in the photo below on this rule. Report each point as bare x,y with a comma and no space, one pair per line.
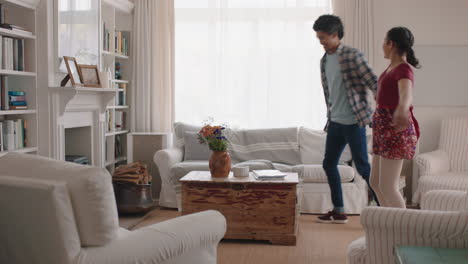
258,210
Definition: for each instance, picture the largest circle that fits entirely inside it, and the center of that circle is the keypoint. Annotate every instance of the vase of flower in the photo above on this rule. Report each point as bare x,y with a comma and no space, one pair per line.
220,160
220,164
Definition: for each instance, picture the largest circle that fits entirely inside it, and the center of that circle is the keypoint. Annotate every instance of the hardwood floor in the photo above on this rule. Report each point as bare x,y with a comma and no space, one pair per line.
317,243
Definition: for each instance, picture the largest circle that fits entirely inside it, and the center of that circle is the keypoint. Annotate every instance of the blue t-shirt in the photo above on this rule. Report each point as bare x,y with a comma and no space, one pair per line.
340,109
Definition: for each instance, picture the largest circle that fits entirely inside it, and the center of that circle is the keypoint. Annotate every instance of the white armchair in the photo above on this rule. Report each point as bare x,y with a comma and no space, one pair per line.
57,212
442,222
447,167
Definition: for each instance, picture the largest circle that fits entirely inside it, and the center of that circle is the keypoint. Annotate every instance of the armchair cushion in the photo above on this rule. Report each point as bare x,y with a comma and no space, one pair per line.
37,222
90,188
442,200
432,163
316,174
448,181
166,242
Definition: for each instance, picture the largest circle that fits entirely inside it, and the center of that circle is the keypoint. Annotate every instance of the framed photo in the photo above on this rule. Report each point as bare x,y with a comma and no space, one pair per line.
73,69
90,75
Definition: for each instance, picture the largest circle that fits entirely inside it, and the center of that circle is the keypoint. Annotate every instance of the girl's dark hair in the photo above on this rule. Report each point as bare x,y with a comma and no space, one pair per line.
404,41
329,24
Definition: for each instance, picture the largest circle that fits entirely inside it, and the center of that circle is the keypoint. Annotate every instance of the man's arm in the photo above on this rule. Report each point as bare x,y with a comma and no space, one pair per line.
366,73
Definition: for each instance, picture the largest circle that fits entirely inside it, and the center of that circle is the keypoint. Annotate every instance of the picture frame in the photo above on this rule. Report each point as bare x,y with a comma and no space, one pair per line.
90,75
74,73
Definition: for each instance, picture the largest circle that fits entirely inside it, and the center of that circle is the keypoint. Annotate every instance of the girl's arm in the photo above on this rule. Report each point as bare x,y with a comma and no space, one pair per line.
401,115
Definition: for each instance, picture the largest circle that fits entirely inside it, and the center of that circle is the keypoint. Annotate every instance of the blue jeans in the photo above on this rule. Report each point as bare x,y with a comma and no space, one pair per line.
337,137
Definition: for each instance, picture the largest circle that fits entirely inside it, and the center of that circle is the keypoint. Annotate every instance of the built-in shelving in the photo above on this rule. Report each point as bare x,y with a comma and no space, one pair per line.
116,16
22,150
116,133
16,34
18,73
120,81
21,13
17,112
118,107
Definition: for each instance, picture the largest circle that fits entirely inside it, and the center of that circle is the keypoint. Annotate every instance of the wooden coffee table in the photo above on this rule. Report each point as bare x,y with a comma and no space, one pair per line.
257,210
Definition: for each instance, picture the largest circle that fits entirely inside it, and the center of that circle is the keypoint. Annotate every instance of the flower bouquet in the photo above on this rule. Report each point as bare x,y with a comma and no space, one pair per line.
220,160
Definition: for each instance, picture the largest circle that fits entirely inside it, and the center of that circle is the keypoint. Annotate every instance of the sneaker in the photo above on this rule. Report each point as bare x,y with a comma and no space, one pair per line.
333,217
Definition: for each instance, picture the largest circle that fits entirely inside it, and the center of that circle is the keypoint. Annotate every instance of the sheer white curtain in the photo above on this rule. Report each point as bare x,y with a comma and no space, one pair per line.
153,66
358,18
249,63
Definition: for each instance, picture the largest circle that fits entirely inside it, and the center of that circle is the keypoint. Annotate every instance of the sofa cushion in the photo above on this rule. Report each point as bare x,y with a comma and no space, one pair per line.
91,192
276,145
193,150
316,174
180,169
180,129
312,147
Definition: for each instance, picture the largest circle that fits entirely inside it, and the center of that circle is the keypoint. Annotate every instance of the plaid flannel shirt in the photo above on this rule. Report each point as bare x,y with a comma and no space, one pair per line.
358,77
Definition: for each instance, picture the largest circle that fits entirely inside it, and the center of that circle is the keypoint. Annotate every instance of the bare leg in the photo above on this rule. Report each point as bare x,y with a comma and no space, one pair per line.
390,171
375,179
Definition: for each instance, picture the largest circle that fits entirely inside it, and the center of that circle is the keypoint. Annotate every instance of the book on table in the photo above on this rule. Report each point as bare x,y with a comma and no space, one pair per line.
269,174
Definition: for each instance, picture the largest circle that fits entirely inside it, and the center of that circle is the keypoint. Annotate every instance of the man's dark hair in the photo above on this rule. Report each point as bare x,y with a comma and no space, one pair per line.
329,24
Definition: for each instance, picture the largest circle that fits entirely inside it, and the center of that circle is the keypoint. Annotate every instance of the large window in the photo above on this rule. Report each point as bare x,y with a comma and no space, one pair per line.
249,63
78,30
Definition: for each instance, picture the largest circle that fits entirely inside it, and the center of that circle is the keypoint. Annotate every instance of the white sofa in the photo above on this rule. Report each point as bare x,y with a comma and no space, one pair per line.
447,167
442,222
288,149
56,212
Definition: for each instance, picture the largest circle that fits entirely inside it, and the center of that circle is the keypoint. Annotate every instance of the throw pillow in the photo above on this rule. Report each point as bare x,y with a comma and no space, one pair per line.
193,150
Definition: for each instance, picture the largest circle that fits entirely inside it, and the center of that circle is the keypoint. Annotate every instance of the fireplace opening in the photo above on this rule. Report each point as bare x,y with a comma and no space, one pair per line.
78,145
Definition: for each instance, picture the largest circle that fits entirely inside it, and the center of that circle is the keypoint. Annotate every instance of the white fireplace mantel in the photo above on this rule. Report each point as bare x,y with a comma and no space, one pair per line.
73,107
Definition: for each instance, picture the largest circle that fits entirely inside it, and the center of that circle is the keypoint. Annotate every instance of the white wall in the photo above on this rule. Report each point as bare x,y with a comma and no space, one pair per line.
433,22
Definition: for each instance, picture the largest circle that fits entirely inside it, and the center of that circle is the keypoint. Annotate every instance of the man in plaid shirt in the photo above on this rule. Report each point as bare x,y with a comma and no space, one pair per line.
346,79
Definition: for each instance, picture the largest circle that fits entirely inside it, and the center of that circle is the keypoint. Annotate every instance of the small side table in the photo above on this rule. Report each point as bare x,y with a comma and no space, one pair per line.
428,255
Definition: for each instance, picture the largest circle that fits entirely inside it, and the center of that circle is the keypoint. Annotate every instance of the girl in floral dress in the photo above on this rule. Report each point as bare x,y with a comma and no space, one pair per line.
395,130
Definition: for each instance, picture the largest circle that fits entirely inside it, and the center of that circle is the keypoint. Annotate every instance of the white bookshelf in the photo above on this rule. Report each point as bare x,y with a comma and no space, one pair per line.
116,16
23,13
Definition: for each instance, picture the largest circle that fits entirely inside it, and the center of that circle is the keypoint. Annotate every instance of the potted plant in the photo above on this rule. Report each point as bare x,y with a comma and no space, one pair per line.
220,160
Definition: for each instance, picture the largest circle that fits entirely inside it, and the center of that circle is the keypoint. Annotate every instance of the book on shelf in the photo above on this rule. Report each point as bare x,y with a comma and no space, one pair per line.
119,120
12,53
106,38
121,43
12,134
4,93
121,98
109,120
268,174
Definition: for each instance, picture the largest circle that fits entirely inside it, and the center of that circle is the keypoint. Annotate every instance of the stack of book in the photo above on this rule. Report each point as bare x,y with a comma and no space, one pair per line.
12,53
269,174
80,159
11,100
12,134
17,100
